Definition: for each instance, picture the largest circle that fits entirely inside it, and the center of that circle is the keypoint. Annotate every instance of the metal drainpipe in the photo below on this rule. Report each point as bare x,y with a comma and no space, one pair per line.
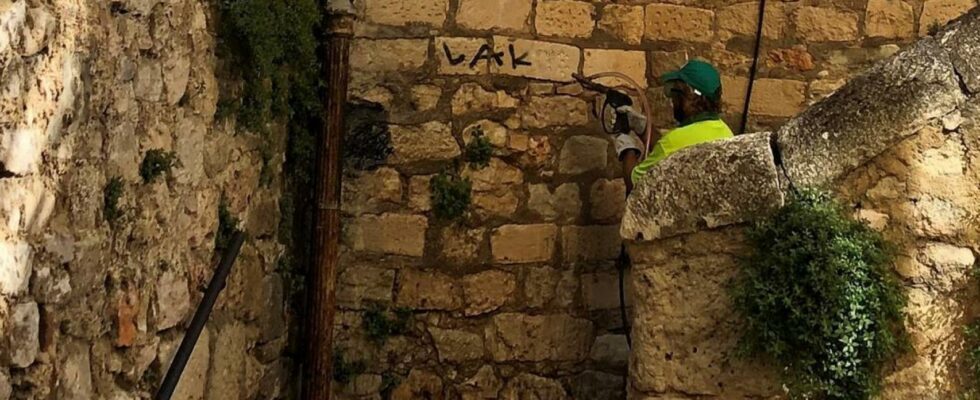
322,281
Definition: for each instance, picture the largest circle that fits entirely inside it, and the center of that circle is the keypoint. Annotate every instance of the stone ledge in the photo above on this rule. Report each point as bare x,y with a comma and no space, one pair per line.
961,39
872,112
710,185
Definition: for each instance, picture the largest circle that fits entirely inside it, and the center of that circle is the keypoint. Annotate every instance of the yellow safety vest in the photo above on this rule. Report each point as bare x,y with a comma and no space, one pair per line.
679,138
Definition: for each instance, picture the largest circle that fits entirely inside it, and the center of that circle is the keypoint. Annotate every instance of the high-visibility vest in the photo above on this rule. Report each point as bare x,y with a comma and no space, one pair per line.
679,138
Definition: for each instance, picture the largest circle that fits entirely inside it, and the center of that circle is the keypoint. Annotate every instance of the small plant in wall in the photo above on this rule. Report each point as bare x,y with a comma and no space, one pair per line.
380,324
479,149
343,369
450,195
227,224
818,296
110,200
157,162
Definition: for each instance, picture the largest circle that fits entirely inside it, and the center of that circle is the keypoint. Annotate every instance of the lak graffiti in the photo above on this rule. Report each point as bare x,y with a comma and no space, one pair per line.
487,53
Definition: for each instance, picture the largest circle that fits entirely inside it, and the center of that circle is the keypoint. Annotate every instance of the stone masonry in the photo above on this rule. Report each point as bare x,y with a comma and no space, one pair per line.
519,298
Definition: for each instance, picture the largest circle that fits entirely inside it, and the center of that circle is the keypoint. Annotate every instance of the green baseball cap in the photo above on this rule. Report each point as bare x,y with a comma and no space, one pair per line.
699,75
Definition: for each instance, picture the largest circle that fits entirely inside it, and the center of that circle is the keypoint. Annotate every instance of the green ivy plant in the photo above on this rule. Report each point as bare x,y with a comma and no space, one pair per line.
479,149
157,162
378,326
972,358
818,296
111,194
450,195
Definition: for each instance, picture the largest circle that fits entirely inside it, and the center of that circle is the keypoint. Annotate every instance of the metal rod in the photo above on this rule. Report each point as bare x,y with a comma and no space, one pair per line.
318,371
215,287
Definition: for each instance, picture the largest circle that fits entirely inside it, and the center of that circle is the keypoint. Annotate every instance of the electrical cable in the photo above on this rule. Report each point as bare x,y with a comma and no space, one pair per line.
755,63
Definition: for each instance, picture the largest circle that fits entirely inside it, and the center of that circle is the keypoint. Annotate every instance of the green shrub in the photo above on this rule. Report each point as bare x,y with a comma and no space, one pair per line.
343,369
156,162
479,149
972,347
379,326
110,200
227,226
450,195
818,296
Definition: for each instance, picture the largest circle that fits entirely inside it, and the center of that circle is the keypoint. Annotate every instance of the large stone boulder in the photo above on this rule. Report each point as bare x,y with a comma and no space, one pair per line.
710,185
962,40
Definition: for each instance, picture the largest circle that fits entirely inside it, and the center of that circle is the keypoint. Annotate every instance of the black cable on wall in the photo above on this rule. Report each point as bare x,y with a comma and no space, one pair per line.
755,63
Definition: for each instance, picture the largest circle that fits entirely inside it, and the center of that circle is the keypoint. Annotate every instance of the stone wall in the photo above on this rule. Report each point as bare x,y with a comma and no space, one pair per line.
898,143
90,310
520,296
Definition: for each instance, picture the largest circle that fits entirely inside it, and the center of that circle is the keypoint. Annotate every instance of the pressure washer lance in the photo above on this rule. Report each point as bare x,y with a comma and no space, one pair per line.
614,121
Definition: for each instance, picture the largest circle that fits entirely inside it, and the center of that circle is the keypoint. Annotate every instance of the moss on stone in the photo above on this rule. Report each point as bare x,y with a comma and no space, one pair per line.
156,162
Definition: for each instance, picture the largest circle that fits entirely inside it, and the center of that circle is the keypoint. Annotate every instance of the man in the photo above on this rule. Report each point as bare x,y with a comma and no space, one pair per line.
695,91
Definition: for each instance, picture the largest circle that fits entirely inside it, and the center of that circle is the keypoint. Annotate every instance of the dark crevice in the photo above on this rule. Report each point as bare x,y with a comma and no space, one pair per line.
777,158
6,174
962,82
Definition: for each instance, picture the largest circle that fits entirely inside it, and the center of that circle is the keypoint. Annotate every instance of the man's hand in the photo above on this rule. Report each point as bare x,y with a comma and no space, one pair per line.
638,122
626,143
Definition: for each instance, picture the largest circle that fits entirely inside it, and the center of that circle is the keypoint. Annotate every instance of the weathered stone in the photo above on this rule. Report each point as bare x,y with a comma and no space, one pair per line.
547,287
542,112
5,389
15,267
227,378
623,22
496,176
460,246
590,243
455,56
611,350
540,88
607,200
565,18
495,133
408,12
487,291
420,192
598,385
497,15
272,315
889,19
176,75
675,199
514,244
422,290
825,87
386,55
948,259
389,233
581,154
939,12
483,385
419,385
519,337
962,43
471,97
820,24
428,143
840,133
563,205
172,300
663,23
22,333
363,385
633,64
127,311
874,219
372,191
795,58
194,379
457,346
75,374
149,80
548,61
777,97
501,204
600,291
743,18
527,386
425,97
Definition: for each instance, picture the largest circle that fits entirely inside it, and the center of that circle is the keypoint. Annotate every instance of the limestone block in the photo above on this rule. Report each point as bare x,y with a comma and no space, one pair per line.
777,97
471,97
487,291
942,11
536,59
623,22
819,24
425,97
424,144
514,244
520,337
525,386
75,374
483,385
611,350
372,191
422,290
680,23
459,56
227,378
386,55
20,149
581,154
460,246
891,19
15,267
495,133
607,200
194,380
149,80
406,12
735,181
597,385
363,385
22,333
548,287
952,264
271,318
173,300
844,130
962,42
498,175
358,284
562,205
389,233
457,345
5,388
590,243
420,192
499,204
497,15
601,291
419,385
565,18
631,63
542,112
741,20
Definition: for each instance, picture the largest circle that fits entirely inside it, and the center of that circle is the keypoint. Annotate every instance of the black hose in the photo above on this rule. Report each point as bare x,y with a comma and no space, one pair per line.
200,318
755,63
